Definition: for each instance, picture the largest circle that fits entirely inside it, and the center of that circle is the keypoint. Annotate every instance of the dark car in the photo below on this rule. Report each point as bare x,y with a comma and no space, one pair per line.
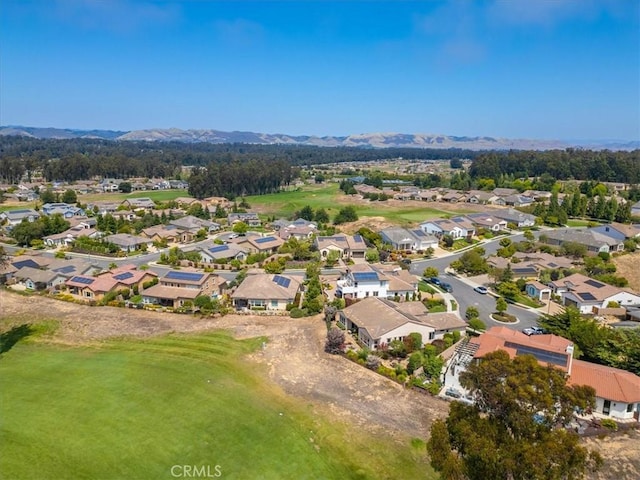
446,287
434,280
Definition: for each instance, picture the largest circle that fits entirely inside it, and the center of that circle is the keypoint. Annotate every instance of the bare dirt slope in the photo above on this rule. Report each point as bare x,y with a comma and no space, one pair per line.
629,267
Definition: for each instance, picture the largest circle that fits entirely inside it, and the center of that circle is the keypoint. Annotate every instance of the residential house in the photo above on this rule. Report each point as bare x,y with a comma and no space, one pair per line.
127,276
7,272
250,218
590,295
544,261
453,196
519,219
141,203
361,281
71,267
178,184
64,209
487,221
269,244
364,189
90,288
518,270
617,391
538,195
129,243
300,233
70,235
34,261
299,222
110,185
593,241
103,208
537,290
346,245
456,227
401,282
14,217
403,239
162,233
265,292
504,192
429,195
480,197
222,252
376,322
618,231
514,201
635,209
178,288
189,226
36,279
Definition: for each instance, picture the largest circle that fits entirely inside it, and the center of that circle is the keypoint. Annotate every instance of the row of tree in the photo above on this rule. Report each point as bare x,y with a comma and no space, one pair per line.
601,165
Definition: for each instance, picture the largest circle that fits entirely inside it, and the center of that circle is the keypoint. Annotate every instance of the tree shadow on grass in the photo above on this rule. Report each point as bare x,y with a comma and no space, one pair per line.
9,338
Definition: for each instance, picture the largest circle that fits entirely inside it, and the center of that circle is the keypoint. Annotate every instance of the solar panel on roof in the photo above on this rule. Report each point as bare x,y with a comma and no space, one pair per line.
83,280
65,269
264,239
594,283
587,296
26,263
123,276
358,238
185,276
281,281
219,248
365,276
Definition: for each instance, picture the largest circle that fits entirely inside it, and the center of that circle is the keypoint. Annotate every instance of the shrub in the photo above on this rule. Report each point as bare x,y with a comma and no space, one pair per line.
297,312
335,341
477,324
373,362
609,424
352,355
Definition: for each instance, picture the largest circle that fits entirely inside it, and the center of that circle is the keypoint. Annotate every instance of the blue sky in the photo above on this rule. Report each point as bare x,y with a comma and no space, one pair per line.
515,68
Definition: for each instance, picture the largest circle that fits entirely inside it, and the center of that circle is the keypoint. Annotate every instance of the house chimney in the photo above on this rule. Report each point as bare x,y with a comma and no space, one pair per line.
569,350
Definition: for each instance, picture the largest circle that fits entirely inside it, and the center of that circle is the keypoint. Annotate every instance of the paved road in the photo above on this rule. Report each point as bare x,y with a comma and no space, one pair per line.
466,297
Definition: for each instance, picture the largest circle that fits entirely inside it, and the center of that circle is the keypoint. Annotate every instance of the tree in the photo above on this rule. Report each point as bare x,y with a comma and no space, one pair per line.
471,312
430,272
306,213
240,228
477,324
501,305
509,290
346,214
321,216
511,431
335,341
125,187
471,262
47,196
69,196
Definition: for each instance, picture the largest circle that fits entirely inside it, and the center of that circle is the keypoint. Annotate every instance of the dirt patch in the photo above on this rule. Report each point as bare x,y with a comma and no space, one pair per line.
293,357
621,454
628,267
374,223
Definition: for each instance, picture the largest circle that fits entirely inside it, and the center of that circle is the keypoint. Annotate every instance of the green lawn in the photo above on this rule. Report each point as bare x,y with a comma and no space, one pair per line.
133,409
577,222
329,197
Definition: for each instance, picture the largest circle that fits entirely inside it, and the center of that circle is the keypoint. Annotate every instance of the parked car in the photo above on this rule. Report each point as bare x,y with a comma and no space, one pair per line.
481,289
446,287
434,280
534,331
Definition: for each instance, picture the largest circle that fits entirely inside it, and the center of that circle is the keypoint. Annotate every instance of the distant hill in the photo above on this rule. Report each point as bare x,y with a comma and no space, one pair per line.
365,140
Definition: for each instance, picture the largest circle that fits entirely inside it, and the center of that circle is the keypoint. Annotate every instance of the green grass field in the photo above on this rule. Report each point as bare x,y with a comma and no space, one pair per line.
134,408
329,197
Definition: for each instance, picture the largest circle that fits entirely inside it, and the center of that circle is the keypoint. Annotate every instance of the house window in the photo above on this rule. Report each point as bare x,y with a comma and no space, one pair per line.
432,335
375,294
274,303
630,408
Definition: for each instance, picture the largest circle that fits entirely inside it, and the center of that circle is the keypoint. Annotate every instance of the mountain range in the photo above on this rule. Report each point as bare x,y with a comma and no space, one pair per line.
365,140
